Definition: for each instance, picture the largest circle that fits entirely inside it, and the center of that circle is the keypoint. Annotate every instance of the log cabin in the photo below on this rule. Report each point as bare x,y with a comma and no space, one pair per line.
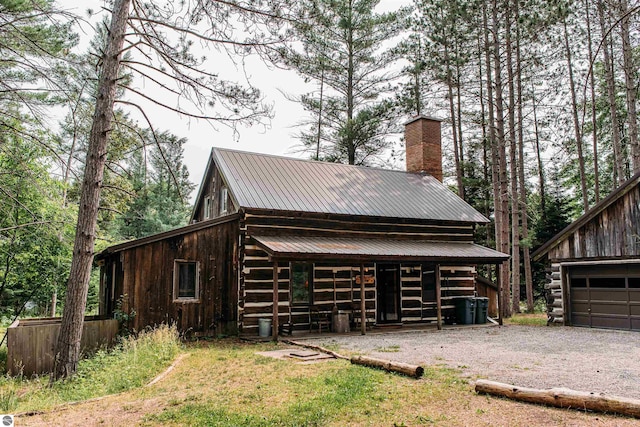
595,265
294,240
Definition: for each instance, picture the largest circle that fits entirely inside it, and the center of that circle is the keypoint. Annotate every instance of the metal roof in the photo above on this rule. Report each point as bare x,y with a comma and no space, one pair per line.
264,181
302,247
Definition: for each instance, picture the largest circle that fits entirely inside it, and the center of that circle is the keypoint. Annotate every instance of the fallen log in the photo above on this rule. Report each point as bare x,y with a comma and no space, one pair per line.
389,365
562,398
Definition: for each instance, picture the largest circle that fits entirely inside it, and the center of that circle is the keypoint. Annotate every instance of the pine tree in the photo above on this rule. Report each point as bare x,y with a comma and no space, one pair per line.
343,49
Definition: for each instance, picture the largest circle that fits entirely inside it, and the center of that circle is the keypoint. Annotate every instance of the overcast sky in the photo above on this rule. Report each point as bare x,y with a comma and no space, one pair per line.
278,138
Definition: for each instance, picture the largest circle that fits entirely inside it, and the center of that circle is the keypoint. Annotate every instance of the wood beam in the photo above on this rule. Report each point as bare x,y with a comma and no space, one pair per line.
438,297
499,282
274,323
363,305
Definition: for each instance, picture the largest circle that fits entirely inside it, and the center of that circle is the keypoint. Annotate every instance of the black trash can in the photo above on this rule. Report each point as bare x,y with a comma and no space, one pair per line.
465,310
482,304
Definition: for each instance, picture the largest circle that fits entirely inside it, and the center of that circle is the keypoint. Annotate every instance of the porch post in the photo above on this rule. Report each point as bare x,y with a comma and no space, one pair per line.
274,323
438,298
499,282
363,305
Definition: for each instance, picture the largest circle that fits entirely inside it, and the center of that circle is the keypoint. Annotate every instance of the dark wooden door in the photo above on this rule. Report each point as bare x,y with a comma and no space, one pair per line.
388,293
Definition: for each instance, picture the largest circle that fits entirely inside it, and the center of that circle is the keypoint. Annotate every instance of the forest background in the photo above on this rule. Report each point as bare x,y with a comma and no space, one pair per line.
538,100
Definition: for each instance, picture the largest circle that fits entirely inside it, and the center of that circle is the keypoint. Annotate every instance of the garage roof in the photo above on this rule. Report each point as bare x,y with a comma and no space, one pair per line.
302,247
588,216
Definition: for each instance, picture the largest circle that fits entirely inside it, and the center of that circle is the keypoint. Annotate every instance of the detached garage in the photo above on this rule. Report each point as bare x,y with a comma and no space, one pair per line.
595,265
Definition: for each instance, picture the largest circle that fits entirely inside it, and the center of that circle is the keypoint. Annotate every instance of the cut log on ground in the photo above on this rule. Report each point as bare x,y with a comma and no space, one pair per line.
563,398
390,366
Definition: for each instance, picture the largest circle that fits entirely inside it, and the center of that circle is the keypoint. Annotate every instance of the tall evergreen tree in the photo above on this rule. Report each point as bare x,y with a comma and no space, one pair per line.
343,47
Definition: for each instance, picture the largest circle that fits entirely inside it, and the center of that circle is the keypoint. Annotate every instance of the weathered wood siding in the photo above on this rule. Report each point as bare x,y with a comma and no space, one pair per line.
614,232
210,189
143,277
31,342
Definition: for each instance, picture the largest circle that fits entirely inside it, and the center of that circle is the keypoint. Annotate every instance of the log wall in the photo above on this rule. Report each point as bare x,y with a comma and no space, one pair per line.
255,299
256,291
554,294
308,224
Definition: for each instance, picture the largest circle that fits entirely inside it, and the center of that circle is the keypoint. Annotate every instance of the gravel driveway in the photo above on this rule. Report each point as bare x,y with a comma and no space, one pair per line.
582,359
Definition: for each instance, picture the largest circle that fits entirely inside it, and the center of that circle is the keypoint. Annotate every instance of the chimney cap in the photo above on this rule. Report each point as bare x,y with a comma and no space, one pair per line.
422,117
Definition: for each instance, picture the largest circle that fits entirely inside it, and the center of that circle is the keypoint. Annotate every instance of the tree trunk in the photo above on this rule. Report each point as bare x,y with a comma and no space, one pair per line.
68,344
452,113
503,182
459,119
515,208
485,139
576,121
562,398
494,148
611,92
541,180
522,196
592,82
631,86
319,134
415,371
54,303
351,149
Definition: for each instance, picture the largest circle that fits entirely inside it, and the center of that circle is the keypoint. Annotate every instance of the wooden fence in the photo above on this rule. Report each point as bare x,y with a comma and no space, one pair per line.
31,342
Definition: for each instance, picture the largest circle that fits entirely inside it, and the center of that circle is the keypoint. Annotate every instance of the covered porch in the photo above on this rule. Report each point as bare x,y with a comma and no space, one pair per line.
373,282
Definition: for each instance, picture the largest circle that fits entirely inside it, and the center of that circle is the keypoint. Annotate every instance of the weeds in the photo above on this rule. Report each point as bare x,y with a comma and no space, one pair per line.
132,363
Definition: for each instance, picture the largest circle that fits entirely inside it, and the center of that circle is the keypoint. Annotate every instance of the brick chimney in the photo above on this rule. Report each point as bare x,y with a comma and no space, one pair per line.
424,148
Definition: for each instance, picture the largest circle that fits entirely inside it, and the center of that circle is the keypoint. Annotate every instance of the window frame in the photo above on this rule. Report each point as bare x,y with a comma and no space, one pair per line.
223,202
207,208
176,281
311,267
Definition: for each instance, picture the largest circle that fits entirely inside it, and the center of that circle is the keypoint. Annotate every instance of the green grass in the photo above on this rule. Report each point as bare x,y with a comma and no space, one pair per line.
242,388
320,398
131,364
389,349
528,319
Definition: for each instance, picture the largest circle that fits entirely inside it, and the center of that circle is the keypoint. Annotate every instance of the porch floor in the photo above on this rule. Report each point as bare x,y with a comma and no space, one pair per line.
379,329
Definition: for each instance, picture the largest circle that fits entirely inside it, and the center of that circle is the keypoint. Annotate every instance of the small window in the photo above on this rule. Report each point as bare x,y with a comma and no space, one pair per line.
224,200
185,280
607,282
301,282
578,282
207,207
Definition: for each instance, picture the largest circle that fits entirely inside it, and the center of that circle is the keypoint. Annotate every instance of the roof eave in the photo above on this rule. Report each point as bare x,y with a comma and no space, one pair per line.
167,234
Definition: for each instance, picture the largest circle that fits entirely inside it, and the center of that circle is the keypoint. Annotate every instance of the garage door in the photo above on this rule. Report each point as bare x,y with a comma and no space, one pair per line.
605,296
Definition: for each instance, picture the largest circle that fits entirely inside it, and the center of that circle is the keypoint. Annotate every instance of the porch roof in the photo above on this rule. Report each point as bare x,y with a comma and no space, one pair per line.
361,249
